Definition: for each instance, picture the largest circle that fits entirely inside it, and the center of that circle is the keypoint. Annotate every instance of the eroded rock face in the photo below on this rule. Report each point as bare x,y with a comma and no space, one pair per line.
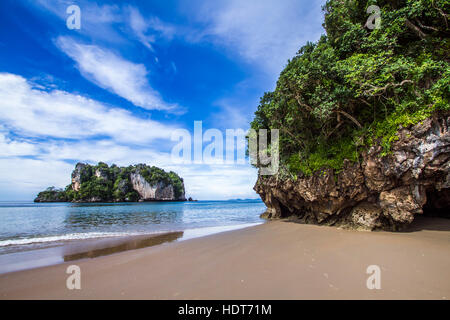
366,215
401,204
77,176
147,192
378,193
101,173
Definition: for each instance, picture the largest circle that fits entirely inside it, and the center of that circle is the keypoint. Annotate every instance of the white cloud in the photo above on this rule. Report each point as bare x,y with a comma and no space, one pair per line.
111,72
237,108
58,114
22,179
219,182
103,150
10,147
266,32
98,22
140,27
231,116
147,30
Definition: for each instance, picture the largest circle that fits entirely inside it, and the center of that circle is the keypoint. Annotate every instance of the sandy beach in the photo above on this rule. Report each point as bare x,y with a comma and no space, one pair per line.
275,260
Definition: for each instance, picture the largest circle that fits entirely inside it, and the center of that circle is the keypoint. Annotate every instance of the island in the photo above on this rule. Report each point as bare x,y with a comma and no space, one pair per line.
103,183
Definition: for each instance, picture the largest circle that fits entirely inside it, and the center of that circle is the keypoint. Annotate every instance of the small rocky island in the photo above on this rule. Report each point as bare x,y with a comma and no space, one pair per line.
103,183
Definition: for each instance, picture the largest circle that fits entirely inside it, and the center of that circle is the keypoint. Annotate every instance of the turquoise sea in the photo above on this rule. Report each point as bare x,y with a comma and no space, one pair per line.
26,226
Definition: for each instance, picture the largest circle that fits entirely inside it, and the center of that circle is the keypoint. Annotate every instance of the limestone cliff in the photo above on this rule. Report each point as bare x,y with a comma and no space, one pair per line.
102,183
146,191
379,192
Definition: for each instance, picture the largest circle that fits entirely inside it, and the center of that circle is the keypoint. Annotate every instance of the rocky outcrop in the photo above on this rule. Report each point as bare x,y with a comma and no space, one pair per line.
159,191
377,193
102,183
77,176
101,173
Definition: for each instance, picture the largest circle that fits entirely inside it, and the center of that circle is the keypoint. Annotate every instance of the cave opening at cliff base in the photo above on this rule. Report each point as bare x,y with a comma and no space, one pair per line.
438,203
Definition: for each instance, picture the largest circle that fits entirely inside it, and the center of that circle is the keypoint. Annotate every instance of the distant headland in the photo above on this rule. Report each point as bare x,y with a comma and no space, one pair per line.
103,183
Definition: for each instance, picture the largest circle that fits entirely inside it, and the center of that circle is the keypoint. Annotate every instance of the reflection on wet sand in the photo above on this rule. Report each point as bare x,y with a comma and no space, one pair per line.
109,246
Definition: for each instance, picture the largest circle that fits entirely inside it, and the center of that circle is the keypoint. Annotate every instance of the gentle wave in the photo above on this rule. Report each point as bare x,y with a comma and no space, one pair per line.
188,234
67,237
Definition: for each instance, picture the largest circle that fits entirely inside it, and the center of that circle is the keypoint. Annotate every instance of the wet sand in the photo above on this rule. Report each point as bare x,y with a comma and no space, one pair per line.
276,260
74,250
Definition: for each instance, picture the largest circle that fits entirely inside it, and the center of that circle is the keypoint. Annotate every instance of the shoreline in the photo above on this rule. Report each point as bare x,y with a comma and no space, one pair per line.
54,252
274,260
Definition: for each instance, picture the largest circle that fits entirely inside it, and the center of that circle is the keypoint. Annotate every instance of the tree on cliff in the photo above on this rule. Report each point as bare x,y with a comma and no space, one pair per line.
357,86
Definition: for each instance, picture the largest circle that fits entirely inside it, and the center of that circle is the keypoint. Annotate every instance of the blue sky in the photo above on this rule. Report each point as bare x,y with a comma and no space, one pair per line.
116,89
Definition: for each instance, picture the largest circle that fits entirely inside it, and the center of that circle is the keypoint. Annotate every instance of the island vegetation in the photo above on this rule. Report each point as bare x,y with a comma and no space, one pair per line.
95,183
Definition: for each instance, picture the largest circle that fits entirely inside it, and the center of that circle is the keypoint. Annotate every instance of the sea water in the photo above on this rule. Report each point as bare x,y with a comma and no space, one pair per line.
26,226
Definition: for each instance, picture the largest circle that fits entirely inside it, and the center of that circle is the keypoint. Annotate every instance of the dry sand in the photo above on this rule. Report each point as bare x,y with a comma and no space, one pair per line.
276,260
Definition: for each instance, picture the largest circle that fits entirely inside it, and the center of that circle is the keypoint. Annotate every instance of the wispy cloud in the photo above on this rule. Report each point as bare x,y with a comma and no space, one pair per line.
15,147
147,30
219,182
23,178
264,32
115,74
98,21
59,114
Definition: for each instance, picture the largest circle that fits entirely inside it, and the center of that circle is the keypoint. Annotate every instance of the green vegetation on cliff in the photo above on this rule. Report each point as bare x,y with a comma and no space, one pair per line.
357,86
104,183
